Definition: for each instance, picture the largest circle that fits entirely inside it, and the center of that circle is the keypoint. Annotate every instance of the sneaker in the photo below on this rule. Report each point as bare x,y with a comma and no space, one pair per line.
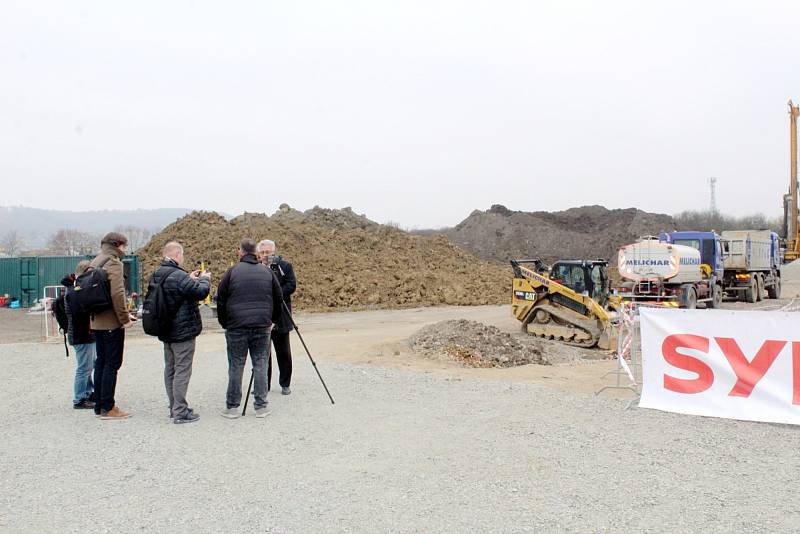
230,413
114,413
286,391
85,404
188,417
262,412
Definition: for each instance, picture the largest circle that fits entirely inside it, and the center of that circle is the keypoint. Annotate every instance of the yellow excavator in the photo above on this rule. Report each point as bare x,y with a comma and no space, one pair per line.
569,301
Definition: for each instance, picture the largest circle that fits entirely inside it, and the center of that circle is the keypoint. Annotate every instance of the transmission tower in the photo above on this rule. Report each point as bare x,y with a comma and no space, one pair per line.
712,184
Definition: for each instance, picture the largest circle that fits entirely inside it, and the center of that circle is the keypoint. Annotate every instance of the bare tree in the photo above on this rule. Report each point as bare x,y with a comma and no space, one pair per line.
705,221
137,236
12,243
70,242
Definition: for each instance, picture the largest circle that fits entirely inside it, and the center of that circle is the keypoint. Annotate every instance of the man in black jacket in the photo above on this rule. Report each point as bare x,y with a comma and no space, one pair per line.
81,337
248,303
280,332
182,291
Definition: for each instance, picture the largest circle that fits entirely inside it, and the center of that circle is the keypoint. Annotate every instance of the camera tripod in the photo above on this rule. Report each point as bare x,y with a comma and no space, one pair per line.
269,358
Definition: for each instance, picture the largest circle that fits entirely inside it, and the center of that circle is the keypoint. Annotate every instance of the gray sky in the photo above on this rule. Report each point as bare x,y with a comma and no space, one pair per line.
412,111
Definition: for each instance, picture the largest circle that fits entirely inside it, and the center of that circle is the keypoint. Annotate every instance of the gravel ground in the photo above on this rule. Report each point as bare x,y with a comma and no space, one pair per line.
400,451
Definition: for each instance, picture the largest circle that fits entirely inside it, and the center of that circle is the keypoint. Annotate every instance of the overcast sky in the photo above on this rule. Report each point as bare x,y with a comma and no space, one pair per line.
409,111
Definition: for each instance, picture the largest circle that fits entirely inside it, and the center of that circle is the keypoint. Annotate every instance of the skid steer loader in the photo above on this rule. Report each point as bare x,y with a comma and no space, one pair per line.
567,302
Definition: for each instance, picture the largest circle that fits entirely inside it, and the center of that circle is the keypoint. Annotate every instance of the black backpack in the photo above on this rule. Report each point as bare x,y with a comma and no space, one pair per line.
60,313
91,292
156,315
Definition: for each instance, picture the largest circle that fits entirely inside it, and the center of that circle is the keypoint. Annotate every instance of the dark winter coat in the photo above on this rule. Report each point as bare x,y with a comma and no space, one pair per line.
79,331
248,296
182,294
284,271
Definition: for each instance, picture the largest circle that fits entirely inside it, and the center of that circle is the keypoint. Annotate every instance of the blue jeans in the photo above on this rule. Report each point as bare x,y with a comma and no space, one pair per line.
84,360
241,341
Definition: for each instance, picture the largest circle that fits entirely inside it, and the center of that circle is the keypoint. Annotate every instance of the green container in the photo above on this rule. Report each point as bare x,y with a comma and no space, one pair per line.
25,278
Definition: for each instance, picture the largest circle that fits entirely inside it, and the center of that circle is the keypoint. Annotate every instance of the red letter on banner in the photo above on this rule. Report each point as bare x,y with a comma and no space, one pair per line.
705,376
796,372
749,373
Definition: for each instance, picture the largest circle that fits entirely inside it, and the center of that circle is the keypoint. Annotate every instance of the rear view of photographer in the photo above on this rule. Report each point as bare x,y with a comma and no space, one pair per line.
248,302
182,292
280,333
109,326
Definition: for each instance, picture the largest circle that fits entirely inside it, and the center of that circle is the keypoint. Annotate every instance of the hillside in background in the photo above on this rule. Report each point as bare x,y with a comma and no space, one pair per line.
37,225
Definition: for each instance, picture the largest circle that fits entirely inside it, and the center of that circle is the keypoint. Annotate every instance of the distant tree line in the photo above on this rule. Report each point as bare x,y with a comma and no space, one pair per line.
71,242
705,221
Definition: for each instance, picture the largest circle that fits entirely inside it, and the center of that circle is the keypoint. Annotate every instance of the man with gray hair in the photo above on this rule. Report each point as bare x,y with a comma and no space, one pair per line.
283,270
182,291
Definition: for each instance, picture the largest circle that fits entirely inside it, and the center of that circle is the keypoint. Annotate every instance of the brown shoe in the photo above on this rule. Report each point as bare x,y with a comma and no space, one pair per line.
114,413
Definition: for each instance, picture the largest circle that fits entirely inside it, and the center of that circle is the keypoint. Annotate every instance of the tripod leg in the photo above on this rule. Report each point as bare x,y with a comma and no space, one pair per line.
249,387
313,363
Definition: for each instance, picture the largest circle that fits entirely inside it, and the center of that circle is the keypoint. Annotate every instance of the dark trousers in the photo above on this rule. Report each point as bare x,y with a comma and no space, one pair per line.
283,353
239,342
109,345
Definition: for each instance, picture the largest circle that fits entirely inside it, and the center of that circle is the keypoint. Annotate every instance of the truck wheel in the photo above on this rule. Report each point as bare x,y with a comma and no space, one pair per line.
689,299
760,288
774,292
716,297
750,292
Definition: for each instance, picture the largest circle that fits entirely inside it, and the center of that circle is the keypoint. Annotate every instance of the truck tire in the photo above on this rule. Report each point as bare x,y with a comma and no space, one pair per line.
716,297
774,291
750,293
760,288
689,298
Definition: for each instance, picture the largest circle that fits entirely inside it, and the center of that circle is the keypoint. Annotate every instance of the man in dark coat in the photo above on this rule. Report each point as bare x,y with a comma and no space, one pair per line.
81,337
248,303
182,291
280,332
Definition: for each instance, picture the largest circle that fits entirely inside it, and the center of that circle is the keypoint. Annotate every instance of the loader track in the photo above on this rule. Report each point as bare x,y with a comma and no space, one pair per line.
561,327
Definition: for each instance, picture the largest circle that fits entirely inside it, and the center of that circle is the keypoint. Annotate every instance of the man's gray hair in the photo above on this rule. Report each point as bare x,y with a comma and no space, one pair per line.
172,248
264,243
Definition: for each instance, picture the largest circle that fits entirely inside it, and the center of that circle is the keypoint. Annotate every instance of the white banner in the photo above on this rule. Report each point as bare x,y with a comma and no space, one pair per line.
721,363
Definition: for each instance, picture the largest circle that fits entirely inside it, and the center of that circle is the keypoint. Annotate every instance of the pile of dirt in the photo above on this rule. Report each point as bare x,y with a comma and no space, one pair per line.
342,260
475,344
588,232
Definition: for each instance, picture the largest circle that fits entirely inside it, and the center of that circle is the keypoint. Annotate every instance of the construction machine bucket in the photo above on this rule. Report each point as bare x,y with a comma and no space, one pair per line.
609,338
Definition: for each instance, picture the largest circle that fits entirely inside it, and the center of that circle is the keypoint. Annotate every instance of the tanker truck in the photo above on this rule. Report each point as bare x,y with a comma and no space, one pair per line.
669,274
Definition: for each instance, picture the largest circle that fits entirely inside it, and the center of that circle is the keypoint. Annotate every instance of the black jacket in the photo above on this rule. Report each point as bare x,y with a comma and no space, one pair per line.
284,271
182,295
79,331
248,296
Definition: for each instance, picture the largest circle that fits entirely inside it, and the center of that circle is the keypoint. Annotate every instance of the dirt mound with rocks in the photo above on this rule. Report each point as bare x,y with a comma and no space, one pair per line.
475,344
588,232
342,260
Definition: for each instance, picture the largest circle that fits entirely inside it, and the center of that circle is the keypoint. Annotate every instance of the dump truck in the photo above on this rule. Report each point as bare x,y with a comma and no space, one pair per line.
568,301
668,271
752,261
746,262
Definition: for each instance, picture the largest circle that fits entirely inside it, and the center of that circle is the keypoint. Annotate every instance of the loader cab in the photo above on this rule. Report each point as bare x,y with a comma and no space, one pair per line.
583,277
709,244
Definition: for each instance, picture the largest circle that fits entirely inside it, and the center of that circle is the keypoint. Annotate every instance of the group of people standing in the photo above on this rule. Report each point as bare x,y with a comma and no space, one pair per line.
253,306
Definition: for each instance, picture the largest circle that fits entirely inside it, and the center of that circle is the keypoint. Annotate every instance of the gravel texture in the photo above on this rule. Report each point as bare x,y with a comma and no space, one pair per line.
400,451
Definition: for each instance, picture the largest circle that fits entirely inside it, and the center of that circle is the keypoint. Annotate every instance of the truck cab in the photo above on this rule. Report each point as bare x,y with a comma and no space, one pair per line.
708,243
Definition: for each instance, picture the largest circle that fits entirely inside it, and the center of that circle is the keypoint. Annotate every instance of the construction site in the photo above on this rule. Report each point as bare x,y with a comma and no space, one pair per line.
406,267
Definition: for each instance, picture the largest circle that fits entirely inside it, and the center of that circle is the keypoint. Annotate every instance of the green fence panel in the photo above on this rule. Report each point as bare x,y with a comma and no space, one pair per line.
25,278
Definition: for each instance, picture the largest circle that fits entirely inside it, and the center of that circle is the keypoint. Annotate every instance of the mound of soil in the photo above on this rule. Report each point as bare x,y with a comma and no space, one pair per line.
342,260
475,344
588,232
